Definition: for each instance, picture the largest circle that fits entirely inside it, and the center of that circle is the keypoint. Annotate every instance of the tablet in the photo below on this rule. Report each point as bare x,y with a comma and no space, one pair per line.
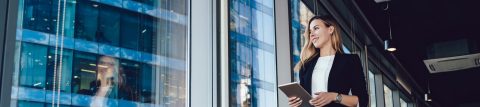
295,90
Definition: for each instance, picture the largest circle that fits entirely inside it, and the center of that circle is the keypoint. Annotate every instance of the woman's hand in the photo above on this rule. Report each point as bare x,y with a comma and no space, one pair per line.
323,98
294,101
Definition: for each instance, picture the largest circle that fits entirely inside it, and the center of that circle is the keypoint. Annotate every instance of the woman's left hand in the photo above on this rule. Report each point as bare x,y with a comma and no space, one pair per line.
323,98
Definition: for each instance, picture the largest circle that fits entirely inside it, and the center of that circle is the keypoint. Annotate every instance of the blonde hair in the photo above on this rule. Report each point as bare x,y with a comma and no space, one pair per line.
309,51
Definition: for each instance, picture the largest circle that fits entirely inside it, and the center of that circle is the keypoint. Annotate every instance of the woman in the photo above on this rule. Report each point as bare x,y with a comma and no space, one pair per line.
106,85
325,72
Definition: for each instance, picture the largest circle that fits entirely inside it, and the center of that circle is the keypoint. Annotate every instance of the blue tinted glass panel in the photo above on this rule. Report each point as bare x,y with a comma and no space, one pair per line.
252,65
101,53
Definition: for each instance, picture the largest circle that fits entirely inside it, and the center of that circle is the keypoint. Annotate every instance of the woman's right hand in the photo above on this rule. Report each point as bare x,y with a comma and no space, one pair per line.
294,101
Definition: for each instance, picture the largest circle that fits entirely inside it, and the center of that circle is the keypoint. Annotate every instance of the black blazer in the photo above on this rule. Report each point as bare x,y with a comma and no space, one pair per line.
346,74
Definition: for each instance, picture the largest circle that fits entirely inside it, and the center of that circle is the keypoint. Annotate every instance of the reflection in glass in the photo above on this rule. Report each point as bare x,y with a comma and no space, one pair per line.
84,72
33,66
102,53
107,82
252,54
300,15
67,60
29,104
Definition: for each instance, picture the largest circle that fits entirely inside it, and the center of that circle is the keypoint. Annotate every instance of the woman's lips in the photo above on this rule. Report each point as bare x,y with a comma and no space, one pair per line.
314,40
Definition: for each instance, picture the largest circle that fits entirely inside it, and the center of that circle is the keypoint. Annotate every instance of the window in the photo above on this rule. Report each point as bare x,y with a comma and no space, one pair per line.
403,103
300,15
33,66
29,104
67,60
252,68
388,96
345,49
371,87
112,53
98,23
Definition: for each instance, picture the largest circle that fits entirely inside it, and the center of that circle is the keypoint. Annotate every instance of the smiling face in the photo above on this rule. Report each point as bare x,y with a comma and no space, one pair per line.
106,67
320,33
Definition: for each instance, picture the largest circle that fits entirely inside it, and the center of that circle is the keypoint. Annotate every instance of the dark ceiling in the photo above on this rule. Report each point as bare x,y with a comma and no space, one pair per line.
416,24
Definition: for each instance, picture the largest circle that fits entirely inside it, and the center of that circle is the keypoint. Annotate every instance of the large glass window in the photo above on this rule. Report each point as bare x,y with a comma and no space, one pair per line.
33,64
252,68
67,60
388,96
300,15
371,87
403,103
106,53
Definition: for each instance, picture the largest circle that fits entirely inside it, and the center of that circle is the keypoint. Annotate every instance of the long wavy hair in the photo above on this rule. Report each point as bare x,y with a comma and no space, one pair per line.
309,51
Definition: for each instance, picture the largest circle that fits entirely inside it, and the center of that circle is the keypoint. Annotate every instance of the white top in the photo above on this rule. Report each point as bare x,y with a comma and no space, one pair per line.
320,74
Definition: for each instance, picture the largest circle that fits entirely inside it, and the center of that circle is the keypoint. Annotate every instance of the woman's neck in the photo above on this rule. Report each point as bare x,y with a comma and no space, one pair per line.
327,51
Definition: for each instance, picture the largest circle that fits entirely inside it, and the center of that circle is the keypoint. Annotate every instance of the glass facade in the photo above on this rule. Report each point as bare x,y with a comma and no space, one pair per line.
252,68
300,15
115,53
388,96
403,103
371,86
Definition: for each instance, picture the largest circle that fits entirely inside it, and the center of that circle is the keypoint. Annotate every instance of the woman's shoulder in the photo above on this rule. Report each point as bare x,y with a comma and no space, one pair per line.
353,58
349,56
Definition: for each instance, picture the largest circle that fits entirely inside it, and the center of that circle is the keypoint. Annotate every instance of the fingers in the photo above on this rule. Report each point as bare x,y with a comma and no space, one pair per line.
318,95
290,99
317,102
321,99
294,101
322,102
297,104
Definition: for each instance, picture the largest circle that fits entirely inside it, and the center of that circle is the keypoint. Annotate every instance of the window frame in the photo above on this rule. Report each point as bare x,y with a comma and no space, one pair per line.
8,50
203,84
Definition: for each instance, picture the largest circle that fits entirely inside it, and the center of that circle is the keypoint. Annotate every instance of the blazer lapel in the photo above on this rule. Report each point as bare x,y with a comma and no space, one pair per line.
309,71
338,64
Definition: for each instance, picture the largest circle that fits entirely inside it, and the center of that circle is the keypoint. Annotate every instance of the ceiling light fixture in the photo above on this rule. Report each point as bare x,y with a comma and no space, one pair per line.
389,45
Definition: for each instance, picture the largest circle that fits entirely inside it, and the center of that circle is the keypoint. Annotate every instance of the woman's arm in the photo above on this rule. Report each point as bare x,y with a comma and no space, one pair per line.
325,98
349,100
359,86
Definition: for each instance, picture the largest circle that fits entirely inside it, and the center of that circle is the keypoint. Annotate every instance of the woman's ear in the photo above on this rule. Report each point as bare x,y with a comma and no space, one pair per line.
331,29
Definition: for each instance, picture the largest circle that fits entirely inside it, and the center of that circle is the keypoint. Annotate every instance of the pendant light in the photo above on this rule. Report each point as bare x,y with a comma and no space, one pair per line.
389,44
